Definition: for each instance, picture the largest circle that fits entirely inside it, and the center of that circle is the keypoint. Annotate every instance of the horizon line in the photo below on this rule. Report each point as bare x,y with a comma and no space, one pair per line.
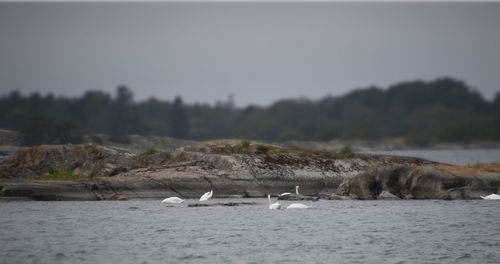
219,101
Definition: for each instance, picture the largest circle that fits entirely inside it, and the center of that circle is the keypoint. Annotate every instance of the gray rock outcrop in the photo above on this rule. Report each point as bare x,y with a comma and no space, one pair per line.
101,173
420,182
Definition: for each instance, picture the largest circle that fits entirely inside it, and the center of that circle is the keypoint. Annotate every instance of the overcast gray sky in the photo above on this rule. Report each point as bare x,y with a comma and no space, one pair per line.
260,52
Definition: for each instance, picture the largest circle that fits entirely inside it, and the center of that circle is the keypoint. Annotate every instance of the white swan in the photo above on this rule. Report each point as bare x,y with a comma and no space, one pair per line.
173,200
297,206
491,197
287,193
206,196
273,206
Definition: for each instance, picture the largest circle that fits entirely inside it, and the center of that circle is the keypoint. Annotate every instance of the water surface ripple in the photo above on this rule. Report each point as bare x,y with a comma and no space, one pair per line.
145,231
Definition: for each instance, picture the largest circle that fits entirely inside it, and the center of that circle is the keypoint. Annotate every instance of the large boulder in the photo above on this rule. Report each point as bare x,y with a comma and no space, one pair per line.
420,182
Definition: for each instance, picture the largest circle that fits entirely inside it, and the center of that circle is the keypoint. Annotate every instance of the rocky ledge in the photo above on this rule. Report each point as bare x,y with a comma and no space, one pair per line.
232,169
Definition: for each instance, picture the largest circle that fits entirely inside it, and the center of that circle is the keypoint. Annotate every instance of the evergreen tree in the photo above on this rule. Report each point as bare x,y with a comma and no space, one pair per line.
179,119
122,115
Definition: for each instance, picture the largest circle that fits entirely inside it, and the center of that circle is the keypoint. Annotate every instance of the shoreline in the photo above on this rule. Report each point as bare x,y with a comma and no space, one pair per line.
94,172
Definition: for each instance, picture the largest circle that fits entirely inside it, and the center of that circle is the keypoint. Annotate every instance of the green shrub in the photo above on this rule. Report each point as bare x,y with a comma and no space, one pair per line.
61,175
346,152
263,149
150,151
244,148
245,144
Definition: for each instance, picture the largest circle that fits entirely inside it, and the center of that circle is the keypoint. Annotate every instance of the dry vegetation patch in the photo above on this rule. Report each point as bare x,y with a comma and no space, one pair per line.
473,169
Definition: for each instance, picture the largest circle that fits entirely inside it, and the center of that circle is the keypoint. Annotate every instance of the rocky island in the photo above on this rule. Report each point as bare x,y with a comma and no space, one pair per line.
232,168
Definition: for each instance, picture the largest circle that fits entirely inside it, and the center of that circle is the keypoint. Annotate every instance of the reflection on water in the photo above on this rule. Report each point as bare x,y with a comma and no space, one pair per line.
452,156
145,231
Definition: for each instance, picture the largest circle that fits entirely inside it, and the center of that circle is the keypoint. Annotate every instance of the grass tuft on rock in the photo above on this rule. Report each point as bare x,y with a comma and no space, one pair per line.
243,148
262,149
245,144
150,151
61,175
346,152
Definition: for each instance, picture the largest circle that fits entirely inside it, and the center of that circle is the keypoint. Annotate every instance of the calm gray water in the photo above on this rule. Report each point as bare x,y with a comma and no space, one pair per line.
145,231
452,156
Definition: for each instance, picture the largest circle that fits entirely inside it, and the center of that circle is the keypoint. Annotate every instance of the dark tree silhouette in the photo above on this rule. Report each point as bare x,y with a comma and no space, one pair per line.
179,119
122,120
443,110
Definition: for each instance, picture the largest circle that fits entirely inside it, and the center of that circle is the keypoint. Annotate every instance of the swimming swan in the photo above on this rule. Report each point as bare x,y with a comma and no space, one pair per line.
173,200
273,206
297,206
287,193
491,197
206,196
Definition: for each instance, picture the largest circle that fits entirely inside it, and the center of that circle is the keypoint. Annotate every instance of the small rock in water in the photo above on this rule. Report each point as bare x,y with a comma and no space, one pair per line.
119,197
385,195
198,205
408,196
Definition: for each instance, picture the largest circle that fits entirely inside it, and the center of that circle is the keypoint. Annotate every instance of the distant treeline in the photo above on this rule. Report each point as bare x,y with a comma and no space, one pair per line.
444,110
